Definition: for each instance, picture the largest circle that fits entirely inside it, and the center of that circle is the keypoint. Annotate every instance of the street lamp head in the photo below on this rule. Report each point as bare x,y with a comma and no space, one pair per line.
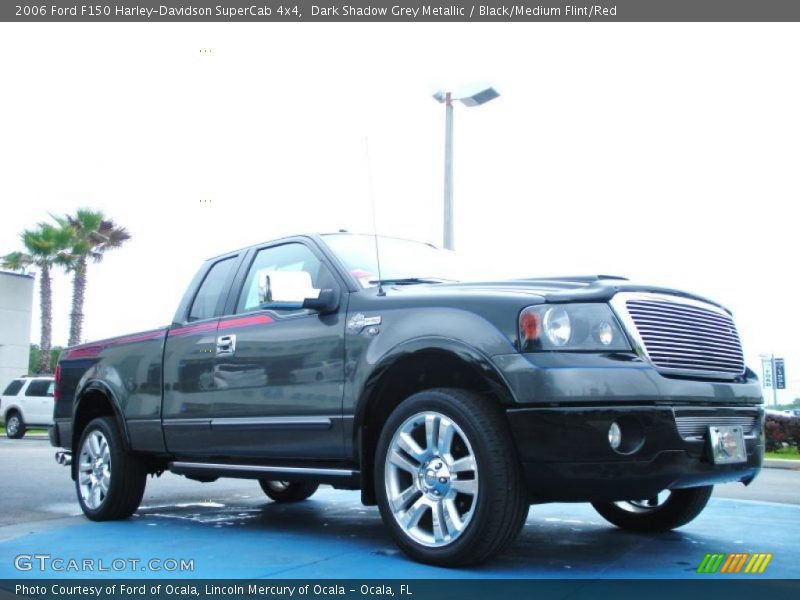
481,97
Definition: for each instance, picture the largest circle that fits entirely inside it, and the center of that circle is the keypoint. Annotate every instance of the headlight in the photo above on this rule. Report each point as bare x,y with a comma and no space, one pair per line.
591,327
557,326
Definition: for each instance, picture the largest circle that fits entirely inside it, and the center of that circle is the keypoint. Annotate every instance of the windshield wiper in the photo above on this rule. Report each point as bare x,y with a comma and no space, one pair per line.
409,280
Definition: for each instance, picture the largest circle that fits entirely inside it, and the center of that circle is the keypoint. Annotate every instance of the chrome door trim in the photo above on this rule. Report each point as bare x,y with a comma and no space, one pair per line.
271,423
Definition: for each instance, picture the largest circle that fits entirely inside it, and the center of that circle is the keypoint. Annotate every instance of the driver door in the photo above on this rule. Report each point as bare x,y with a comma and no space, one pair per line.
279,372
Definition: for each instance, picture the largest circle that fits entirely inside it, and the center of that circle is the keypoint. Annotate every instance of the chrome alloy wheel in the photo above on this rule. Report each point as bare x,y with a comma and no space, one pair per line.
431,479
278,486
643,506
12,426
94,470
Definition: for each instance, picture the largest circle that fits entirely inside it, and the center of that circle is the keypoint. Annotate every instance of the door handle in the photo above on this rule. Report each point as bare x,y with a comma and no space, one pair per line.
226,345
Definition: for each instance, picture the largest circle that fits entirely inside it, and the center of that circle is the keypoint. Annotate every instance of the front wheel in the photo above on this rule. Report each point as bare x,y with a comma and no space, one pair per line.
668,510
15,426
447,479
109,480
288,491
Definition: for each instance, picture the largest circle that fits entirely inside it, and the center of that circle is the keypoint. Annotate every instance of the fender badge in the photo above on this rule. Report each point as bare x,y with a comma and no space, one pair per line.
358,321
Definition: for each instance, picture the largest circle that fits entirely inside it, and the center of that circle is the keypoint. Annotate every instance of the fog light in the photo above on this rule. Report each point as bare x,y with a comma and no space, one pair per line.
614,435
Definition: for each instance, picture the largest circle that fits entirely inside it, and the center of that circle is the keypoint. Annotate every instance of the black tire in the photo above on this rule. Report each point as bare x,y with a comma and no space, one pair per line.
522,518
288,491
681,507
17,428
500,505
128,475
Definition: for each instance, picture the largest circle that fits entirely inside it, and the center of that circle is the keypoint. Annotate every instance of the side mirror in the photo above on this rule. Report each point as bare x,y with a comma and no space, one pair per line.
325,302
293,290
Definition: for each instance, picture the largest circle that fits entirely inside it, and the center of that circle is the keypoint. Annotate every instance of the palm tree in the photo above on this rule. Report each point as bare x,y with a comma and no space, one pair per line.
44,248
17,261
92,235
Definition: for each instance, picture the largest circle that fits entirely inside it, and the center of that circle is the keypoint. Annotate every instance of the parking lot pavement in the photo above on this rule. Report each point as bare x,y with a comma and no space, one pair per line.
230,529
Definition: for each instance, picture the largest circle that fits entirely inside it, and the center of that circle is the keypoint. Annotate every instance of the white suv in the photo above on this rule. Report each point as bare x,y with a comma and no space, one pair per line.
27,402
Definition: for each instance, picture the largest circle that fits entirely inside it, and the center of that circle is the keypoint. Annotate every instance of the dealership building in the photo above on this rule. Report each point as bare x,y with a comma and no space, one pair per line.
16,304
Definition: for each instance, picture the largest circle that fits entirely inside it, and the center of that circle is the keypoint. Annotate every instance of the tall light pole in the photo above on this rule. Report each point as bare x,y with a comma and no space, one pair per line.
446,98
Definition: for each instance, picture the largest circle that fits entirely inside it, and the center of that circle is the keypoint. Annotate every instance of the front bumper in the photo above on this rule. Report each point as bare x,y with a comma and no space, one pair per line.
565,403
566,456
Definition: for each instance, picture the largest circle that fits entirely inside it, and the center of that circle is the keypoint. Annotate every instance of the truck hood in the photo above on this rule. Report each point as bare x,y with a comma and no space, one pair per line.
592,288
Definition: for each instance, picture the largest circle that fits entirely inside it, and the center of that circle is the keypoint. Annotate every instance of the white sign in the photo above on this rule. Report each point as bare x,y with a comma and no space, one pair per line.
766,368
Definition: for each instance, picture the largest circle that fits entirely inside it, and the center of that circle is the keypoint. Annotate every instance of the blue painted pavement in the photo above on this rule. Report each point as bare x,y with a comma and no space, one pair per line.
333,536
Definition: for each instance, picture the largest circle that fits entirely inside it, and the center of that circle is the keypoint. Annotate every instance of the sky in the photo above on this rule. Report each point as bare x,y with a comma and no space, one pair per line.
666,153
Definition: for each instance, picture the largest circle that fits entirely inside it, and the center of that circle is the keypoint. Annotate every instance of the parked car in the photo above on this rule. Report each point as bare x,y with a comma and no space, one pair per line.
451,405
27,402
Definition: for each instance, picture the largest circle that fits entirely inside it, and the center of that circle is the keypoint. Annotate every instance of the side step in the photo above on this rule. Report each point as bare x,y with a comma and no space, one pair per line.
203,470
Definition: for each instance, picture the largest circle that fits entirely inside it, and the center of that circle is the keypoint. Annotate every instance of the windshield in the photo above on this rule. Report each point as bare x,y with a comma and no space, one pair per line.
401,260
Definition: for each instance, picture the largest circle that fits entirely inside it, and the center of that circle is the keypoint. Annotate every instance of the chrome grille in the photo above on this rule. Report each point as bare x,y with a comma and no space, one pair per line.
684,336
690,427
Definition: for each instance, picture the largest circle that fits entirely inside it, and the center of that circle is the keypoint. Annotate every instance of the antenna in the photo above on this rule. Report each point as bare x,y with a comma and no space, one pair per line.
381,292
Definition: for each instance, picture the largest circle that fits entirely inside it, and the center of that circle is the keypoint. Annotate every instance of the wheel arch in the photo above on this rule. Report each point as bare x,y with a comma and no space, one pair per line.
411,367
94,400
12,408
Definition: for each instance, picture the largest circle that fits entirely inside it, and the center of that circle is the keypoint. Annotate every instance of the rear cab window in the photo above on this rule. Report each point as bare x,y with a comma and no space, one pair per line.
13,388
207,301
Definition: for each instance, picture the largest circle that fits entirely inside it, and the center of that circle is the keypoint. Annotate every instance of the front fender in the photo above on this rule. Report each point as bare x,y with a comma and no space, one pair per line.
469,354
403,331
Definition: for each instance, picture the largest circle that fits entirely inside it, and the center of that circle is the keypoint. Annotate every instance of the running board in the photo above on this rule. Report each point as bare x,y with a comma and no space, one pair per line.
206,470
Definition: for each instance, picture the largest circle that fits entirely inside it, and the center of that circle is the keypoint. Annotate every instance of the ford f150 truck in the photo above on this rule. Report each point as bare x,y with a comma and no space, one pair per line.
452,405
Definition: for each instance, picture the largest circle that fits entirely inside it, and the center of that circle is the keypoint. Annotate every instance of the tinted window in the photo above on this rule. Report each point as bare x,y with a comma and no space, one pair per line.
286,257
207,298
40,387
13,387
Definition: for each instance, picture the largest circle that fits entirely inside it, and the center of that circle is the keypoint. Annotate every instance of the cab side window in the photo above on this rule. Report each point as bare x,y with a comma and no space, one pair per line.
208,296
39,388
286,257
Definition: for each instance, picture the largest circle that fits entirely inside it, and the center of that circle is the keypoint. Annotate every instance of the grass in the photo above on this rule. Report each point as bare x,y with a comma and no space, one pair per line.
790,453
35,430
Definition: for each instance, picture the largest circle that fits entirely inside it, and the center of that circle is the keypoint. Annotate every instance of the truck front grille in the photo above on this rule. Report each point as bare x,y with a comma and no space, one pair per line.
696,426
683,336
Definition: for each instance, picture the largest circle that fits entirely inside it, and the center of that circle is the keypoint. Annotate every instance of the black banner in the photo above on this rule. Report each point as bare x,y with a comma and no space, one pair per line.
398,11
412,589
780,374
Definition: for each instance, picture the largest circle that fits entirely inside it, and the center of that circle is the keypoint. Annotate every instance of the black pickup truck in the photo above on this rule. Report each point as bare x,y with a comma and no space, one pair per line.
453,406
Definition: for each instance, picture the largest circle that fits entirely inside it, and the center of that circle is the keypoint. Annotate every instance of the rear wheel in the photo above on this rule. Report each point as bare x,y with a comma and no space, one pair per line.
668,510
447,480
15,426
110,480
288,491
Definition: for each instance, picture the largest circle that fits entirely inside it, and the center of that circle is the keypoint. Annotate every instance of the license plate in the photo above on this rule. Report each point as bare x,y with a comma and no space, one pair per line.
727,444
